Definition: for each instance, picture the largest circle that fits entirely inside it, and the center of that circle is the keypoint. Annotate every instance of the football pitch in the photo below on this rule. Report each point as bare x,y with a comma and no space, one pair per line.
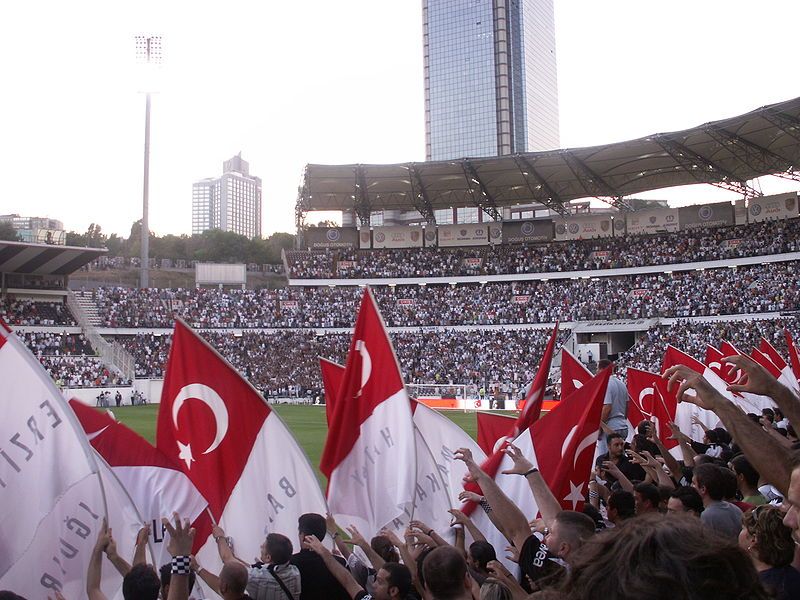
307,423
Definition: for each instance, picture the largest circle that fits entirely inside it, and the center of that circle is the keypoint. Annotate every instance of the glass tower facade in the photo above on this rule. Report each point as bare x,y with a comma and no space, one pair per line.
231,202
490,77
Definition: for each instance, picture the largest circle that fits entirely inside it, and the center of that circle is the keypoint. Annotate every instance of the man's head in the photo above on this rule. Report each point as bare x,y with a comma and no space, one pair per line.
233,579
569,532
768,414
685,499
792,501
384,548
643,428
141,583
603,363
616,445
276,550
165,574
445,573
709,481
393,581
746,476
647,498
621,506
480,554
311,524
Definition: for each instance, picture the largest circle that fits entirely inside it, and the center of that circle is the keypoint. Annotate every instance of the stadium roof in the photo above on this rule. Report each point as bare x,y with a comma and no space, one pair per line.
44,259
725,153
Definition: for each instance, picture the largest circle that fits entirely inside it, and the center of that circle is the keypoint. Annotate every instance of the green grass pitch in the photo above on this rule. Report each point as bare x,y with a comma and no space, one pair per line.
307,423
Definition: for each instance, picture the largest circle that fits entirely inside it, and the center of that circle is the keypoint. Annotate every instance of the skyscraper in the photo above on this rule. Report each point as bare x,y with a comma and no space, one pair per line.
231,202
490,77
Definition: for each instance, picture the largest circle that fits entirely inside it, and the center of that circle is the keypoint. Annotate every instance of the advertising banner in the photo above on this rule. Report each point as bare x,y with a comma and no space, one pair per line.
601,254
521,299
406,302
522,232
583,227
331,237
343,265
473,263
706,215
639,293
401,236
656,220
430,237
768,208
467,234
365,239
289,305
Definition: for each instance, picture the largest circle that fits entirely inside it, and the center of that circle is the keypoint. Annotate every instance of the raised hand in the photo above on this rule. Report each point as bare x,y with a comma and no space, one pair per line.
757,379
521,464
103,537
392,536
181,535
459,518
686,379
312,542
143,535
355,536
467,496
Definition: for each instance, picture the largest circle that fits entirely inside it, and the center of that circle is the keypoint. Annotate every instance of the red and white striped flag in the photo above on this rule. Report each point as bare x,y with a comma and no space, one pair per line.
233,447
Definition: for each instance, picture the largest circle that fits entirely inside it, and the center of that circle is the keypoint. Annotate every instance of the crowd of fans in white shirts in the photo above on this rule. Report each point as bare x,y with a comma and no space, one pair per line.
694,245
744,290
32,312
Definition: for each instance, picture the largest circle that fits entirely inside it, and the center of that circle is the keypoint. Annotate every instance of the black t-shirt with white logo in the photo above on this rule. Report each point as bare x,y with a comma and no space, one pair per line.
542,567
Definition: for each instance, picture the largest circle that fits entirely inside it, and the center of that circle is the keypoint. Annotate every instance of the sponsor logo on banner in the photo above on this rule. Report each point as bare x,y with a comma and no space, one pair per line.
415,236
527,228
561,229
755,209
473,262
430,236
705,213
333,235
345,264
574,228
406,302
605,225
619,224
639,293
653,220
495,232
522,299
732,243
790,203
463,235
289,304
601,254
380,237
365,237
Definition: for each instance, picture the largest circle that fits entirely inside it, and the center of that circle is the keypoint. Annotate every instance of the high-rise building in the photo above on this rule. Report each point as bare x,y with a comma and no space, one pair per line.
231,202
490,77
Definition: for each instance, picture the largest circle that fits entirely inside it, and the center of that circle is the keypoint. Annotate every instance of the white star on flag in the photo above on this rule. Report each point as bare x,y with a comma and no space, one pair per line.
575,494
185,454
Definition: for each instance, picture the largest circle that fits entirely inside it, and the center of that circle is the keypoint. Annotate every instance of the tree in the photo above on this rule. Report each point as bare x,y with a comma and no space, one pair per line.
7,232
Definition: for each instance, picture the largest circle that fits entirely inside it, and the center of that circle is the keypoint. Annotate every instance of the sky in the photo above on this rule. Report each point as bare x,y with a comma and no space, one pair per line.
335,82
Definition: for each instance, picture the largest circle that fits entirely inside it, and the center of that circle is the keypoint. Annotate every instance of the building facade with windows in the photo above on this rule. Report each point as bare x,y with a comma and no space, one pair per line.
231,202
37,230
490,77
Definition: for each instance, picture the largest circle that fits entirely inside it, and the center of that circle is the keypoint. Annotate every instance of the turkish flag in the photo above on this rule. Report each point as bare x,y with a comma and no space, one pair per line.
233,447
534,399
493,428
154,482
649,399
332,375
562,445
574,374
713,361
370,455
437,436
786,376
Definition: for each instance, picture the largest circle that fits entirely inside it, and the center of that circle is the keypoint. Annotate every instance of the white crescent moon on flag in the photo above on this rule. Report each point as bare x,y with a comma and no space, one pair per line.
568,439
578,385
366,363
585,443
208,396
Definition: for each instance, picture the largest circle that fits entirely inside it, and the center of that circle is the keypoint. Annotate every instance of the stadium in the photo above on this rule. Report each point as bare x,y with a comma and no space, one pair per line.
469,306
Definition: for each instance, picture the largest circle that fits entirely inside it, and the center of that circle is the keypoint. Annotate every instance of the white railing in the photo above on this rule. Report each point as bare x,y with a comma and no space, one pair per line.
112,354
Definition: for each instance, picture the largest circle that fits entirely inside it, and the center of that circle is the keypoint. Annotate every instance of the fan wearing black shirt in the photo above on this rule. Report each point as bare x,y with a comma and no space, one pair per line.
316,581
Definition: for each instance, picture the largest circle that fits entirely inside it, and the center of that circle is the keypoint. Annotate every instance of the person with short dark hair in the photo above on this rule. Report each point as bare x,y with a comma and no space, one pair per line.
771,548
165,575
647,498
676,557
621,506
316,580
615,406
446,575
685,499
233,581
721,516
616,455
480,554
747,480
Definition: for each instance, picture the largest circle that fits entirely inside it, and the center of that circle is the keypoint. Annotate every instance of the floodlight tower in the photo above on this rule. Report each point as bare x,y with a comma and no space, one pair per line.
148,53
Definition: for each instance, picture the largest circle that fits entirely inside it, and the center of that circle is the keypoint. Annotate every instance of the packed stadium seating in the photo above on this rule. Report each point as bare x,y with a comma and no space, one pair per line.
772,237
30,312
745,290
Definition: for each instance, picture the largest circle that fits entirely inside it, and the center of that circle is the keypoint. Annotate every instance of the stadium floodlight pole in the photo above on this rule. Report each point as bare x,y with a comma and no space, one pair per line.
148,52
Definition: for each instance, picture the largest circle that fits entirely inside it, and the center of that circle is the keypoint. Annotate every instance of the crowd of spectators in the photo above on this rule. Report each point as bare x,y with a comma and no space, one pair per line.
56,344
743,290
286,363
694,245
81,372
693,338
35,312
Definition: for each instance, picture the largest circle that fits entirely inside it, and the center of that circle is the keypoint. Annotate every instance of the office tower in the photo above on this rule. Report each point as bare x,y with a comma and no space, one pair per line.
231,202
490,77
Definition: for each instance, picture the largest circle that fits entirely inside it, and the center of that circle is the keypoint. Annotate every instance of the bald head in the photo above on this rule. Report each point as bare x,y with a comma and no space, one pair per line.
233,579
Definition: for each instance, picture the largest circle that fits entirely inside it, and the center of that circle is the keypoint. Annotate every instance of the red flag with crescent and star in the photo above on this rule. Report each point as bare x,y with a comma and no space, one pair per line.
233,447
